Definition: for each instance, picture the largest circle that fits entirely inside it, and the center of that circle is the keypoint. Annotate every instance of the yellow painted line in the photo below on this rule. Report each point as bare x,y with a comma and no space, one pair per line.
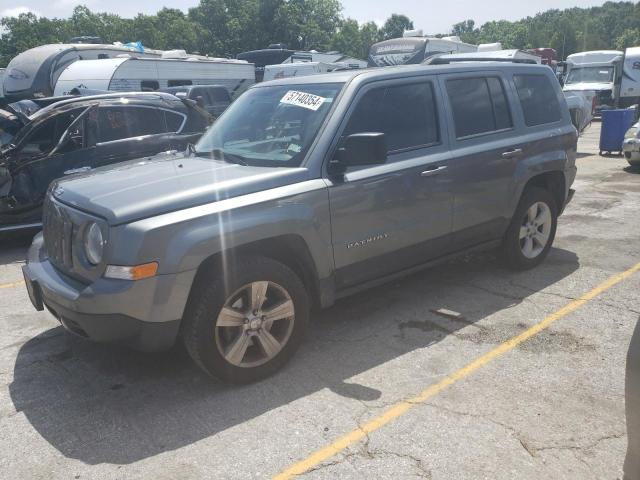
404,406
11,285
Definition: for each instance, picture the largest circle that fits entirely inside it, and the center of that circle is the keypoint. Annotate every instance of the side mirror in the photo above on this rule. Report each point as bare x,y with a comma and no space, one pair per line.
368,148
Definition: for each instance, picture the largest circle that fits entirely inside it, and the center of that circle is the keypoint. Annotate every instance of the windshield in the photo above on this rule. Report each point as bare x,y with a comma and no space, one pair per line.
270,126
590,75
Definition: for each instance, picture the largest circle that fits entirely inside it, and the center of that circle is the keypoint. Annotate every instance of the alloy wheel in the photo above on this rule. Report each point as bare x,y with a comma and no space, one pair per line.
535,230
254,324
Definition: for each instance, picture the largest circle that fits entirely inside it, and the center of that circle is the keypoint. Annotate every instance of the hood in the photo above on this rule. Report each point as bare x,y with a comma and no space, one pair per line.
147,187
582,86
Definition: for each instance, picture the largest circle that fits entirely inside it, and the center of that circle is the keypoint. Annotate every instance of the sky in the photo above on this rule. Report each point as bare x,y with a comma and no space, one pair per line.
430,16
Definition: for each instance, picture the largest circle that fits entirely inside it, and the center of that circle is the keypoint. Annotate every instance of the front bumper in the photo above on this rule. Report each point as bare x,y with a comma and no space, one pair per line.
631,145
141,314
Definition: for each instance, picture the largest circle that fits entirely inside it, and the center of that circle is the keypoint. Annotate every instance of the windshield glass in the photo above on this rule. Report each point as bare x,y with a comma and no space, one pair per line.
270,126
590,75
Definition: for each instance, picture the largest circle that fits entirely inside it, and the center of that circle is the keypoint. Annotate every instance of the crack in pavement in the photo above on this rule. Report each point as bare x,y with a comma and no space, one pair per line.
528,446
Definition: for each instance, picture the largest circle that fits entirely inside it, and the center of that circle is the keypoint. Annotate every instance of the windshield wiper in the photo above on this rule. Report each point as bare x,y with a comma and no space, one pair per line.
219,154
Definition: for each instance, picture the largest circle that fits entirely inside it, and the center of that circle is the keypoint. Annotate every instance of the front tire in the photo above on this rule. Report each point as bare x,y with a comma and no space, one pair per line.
532,230
244,326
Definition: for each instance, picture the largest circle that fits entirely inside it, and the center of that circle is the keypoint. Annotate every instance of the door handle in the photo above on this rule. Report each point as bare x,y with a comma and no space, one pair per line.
432,171
516,152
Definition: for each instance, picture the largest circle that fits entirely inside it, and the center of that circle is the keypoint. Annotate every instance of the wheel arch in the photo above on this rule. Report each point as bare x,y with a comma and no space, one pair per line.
552,181
288,249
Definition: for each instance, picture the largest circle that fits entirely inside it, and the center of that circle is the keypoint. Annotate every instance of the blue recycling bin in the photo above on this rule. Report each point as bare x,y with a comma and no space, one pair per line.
615,124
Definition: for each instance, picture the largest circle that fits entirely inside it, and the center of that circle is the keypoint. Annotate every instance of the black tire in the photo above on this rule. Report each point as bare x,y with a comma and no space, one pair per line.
512,251
209,297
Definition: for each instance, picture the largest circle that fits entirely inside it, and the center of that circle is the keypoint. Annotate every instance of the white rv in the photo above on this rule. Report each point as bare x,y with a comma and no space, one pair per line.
34,72
515,56
146,74
414,48
610,78
326,58
300,69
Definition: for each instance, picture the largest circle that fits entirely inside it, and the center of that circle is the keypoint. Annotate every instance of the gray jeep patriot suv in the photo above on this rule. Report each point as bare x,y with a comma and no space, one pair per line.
304,191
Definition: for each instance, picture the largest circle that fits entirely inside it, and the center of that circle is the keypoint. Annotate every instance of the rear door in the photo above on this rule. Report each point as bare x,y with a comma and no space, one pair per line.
128,132
485,147
386,218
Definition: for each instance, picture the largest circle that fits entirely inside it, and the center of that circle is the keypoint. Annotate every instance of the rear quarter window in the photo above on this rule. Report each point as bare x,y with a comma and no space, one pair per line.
479,106
174,121
538,99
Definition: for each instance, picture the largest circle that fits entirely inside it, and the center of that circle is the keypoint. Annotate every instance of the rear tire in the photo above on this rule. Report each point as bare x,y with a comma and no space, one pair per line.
532,230
247,329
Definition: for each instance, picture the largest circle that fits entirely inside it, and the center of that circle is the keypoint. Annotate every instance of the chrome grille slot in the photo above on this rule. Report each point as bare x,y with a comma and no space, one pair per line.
57,230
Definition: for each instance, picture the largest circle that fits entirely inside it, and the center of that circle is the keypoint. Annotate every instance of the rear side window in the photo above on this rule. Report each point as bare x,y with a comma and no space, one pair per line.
479,106
538,99
117,123
406,114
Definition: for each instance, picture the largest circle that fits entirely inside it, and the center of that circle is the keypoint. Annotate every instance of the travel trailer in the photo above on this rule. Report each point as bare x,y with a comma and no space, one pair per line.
278,53
300,69
414,48
34,72
610,77
273,54
515,56
148,74
326,57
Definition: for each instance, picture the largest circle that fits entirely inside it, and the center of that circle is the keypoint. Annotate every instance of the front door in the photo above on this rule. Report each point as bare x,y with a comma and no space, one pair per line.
386,218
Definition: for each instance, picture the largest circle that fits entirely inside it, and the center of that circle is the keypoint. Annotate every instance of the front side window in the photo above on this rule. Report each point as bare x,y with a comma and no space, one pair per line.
406,114
538,99
270,126
44,138
590,75
479,106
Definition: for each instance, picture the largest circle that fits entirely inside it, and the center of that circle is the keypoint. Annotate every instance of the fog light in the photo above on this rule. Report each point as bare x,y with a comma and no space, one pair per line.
136,272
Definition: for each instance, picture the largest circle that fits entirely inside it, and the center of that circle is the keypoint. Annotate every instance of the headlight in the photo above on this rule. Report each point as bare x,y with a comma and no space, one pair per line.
632,133
93,243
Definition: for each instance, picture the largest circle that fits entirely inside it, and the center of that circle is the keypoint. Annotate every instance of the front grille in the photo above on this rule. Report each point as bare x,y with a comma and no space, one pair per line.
57,230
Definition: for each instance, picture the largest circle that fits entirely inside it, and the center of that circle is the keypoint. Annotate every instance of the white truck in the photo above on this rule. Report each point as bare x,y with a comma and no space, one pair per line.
609,78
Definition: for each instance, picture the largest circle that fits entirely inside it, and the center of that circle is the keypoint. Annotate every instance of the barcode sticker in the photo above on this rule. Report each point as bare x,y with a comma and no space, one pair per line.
302,99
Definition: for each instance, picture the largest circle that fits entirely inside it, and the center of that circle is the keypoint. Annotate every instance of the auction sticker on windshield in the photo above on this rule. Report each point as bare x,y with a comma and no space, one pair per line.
302,99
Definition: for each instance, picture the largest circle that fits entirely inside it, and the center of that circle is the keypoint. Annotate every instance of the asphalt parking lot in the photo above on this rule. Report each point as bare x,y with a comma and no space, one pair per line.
550,406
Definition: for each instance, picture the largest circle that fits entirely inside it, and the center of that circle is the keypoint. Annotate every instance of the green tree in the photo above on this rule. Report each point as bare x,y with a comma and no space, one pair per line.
395,26
370,34
348,39
629,38
466,31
